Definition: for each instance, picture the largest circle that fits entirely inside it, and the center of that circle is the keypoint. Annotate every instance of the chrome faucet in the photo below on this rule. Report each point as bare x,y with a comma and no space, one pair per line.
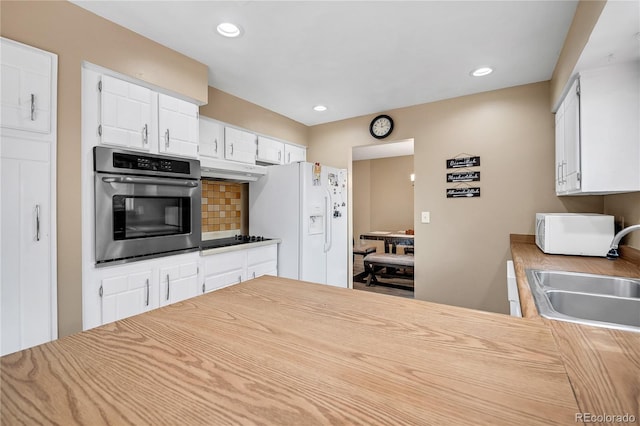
613,251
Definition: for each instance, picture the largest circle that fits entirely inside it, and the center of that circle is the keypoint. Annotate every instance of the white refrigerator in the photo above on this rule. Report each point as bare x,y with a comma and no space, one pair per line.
305,205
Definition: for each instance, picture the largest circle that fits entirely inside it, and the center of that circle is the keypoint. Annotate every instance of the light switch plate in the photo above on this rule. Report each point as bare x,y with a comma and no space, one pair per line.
426,217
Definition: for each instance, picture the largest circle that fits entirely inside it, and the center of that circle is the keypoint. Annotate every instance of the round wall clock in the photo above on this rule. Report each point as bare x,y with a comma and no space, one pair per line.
381,126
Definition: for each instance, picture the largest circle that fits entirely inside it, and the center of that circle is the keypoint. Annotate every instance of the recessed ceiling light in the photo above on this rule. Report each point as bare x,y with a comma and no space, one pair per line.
319,108
481,71
228,29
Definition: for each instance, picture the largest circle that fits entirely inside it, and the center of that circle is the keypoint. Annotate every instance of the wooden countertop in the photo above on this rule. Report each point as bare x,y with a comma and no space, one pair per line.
603,365
278,351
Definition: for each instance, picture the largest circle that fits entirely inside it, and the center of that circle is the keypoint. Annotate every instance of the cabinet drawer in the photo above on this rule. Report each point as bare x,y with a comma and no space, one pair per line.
262,254
224,262
216,282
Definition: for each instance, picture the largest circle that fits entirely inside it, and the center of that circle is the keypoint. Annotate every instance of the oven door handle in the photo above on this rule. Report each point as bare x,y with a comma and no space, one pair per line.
151,181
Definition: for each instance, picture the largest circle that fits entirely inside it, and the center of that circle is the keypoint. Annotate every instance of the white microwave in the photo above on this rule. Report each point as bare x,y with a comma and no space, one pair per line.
574,234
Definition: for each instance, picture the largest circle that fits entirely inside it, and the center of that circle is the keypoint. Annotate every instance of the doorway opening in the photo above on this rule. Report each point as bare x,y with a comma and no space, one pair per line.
382,214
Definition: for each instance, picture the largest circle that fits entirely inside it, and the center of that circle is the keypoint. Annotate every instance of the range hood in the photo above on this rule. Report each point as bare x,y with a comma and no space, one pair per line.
231,170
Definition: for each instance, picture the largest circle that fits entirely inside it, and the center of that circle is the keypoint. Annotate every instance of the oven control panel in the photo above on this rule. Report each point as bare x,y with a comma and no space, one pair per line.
142,162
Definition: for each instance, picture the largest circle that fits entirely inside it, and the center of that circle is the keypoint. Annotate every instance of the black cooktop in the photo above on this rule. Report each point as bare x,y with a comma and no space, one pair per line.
231,241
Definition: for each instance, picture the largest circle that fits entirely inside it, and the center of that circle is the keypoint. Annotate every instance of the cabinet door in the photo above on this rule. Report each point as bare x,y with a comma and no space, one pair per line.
178,127
223,270
239,145
262,261
178,282
270,151
125,114
572,138
211,138
125,295
294,154
26,87
560,160
26,290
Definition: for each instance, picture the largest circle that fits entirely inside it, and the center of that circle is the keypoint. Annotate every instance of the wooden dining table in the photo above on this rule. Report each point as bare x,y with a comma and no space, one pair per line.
274,351
391,239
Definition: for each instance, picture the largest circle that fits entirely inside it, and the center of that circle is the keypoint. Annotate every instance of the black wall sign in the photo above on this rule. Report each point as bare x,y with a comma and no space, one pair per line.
467,176
463,192
456,163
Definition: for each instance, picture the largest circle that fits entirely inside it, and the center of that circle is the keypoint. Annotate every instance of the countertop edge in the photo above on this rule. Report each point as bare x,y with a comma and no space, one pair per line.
219,250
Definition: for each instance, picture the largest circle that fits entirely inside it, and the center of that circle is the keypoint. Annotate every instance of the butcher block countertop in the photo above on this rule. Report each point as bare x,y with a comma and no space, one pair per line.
278,351
603,365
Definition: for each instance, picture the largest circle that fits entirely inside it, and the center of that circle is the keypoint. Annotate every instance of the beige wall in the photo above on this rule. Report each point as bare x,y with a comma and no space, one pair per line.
230,109
461,254
627,206
382,195
585,18
76,35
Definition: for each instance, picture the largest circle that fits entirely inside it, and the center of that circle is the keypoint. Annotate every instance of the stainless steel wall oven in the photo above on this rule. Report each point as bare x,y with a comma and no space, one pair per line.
145,205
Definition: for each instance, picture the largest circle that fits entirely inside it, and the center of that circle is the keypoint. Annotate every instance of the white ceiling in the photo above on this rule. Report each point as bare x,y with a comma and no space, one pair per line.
357,57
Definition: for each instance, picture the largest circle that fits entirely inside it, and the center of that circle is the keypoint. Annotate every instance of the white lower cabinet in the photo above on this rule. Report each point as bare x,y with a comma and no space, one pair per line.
225,269
127,294
262,261
178,282
512,291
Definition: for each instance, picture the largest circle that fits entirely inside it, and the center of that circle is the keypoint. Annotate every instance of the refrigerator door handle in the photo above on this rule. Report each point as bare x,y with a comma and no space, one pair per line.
328,226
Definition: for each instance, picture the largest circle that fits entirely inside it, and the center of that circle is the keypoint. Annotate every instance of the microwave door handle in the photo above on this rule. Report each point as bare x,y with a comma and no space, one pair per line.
150,181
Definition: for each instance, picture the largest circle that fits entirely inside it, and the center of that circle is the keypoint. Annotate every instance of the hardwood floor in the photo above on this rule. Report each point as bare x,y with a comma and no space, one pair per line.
392,286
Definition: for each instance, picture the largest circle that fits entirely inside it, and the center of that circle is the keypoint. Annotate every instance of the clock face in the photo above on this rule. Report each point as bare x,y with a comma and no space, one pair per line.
381,126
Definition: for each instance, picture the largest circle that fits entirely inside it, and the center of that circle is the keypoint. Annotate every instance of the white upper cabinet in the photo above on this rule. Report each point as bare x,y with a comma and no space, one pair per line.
270,151
211,138
294,153
26,87
239,145
598,149
125,114
177,127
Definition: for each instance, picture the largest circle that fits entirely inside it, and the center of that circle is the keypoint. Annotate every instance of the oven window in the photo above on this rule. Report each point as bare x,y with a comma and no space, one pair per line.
142,217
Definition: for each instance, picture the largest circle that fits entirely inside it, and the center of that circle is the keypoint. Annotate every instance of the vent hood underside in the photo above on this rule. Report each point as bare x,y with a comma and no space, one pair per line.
231,170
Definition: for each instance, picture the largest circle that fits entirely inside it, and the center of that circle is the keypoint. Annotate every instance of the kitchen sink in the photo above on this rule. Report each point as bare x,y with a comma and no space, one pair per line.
599,300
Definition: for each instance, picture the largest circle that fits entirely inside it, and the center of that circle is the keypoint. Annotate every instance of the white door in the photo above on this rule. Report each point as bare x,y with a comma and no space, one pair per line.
572,137
178,282
125,295
560,155
125,114
211,137
314,238
270,151
26,87
294,154
239,145
26,288
178,127
337,252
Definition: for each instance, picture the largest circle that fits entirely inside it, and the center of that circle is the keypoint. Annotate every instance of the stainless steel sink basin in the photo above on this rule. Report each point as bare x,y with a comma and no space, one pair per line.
599,300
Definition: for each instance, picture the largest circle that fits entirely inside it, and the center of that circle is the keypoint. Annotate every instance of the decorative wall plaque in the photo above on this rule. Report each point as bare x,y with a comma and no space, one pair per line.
460,162
466,192
466,176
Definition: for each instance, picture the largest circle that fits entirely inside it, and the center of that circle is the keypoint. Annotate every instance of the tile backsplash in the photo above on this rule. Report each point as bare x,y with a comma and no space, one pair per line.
224,206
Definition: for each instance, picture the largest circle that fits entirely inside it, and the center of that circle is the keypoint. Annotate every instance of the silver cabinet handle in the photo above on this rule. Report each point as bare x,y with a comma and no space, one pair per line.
168,285
289,158
231,153
166,139
37,222
239,278
145,135
254,274
33,107
279,155
203,287
215,142
146,303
